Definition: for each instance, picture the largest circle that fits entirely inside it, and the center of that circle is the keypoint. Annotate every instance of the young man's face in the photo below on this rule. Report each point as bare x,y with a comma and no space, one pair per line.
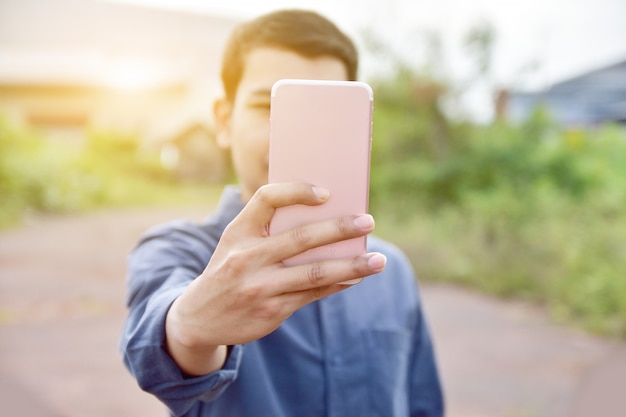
243,126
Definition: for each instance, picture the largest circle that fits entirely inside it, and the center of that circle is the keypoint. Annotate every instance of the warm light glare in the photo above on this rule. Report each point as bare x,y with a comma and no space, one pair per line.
133,75
170,156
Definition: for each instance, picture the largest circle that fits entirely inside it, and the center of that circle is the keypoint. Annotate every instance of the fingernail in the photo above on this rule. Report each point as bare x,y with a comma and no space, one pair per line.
321,193
377,261
364,221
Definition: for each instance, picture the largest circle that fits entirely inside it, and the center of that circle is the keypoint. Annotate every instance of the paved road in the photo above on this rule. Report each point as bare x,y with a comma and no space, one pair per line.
61,308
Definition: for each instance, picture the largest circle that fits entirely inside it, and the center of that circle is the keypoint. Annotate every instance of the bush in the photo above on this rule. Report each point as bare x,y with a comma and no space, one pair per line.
110,169
532,211
31,175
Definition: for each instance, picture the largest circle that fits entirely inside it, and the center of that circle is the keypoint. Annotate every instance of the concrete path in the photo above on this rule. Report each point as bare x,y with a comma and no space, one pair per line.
61,310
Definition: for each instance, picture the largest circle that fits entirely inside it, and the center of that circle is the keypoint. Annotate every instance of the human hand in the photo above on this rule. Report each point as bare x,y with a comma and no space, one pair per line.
246,291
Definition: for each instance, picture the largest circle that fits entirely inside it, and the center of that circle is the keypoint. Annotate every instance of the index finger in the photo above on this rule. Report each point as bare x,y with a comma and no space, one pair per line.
259,211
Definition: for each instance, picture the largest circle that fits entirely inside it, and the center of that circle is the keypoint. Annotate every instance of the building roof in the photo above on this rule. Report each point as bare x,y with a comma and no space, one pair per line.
594,97
609,78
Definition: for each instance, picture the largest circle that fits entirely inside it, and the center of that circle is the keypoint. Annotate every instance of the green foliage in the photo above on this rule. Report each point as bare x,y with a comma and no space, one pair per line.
30,175
532,211
109,169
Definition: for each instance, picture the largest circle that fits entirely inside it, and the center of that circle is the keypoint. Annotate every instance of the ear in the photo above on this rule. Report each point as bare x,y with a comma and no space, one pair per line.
222,111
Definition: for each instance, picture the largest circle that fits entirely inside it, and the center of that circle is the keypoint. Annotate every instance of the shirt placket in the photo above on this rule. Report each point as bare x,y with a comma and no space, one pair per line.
343,370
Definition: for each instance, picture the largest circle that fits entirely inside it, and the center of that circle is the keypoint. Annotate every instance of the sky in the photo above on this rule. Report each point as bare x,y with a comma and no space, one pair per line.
538,42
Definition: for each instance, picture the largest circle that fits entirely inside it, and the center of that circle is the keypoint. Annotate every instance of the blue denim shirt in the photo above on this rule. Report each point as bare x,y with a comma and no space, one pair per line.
365,351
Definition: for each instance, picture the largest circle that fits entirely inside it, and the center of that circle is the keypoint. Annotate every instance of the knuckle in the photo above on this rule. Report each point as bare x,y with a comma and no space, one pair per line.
315,274
236,262
246,257
270,310
343,226
301,236
263,194
249,293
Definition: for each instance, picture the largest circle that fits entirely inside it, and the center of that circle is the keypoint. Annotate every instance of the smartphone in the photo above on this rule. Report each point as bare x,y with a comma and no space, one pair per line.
321,133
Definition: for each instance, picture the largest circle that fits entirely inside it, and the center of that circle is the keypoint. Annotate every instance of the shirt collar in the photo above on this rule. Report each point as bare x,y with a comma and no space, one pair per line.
229,206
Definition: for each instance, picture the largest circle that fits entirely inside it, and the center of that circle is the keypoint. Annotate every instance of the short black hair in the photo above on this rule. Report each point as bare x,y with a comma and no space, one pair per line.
304,32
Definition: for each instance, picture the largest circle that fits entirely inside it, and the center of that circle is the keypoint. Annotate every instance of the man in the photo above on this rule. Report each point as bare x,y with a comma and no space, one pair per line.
218,326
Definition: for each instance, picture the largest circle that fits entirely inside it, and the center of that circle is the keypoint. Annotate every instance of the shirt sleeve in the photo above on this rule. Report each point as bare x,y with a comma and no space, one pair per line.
159,270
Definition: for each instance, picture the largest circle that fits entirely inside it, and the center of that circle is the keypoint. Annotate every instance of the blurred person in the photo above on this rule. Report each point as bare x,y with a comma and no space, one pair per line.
218,326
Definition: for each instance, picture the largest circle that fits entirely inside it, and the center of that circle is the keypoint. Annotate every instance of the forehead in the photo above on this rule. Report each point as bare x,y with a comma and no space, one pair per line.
265,66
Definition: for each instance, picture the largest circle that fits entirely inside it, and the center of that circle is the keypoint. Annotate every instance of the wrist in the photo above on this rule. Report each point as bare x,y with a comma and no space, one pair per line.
189,352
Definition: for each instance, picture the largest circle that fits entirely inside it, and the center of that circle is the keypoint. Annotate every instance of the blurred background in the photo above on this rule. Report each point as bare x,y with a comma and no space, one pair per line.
499,166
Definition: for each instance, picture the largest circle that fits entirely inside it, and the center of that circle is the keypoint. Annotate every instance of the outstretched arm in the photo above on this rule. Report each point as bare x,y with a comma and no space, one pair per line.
245,292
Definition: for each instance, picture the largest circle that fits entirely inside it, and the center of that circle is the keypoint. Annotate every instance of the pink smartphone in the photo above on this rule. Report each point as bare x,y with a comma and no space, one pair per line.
321,133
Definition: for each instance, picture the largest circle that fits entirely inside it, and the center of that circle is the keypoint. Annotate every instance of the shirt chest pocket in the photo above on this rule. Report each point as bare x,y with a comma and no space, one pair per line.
388,354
